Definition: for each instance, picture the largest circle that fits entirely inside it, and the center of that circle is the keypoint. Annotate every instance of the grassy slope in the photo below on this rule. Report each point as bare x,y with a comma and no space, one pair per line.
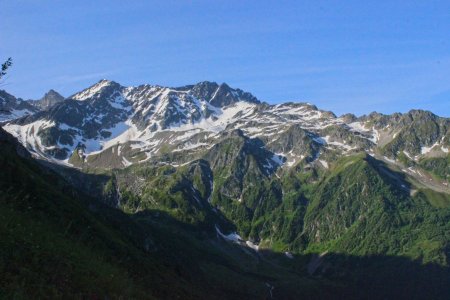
360,209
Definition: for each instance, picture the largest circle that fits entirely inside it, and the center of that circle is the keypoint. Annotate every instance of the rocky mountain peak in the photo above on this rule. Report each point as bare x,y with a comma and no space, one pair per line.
221,95
50,98
102,88
139,123
52,94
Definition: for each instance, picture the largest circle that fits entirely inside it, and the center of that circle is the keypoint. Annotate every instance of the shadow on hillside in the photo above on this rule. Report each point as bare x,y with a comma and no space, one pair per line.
331,276
390,176
367,277
309,276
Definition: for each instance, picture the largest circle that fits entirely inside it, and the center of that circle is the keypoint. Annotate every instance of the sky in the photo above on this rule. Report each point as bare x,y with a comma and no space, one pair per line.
343,56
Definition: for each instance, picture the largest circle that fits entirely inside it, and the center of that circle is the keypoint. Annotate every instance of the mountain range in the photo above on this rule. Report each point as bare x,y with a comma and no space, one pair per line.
13,108
292,200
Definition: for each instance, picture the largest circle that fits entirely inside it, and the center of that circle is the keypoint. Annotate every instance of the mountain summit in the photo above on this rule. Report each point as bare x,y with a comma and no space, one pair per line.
148,120
50,99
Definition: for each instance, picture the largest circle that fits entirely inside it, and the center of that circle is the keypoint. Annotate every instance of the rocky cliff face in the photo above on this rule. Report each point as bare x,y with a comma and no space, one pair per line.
146,121
50,99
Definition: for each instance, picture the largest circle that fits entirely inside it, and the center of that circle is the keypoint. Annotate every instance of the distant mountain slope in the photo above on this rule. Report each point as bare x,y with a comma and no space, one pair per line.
146,121
50,99
12,107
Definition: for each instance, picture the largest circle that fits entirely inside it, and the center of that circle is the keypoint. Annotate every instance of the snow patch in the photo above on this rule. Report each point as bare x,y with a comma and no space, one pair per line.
277,159
289,255
232,237
389,160
375,136
252,245
357,126
324,163
90,92
425,149
408,155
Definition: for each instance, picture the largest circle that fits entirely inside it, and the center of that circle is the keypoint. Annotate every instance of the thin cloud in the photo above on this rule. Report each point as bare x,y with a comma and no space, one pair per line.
66,79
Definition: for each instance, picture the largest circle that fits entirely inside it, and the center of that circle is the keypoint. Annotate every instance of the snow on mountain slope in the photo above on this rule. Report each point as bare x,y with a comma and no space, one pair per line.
109,125
13,108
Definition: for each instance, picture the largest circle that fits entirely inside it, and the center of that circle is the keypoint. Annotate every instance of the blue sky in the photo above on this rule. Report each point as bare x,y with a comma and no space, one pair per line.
344,56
